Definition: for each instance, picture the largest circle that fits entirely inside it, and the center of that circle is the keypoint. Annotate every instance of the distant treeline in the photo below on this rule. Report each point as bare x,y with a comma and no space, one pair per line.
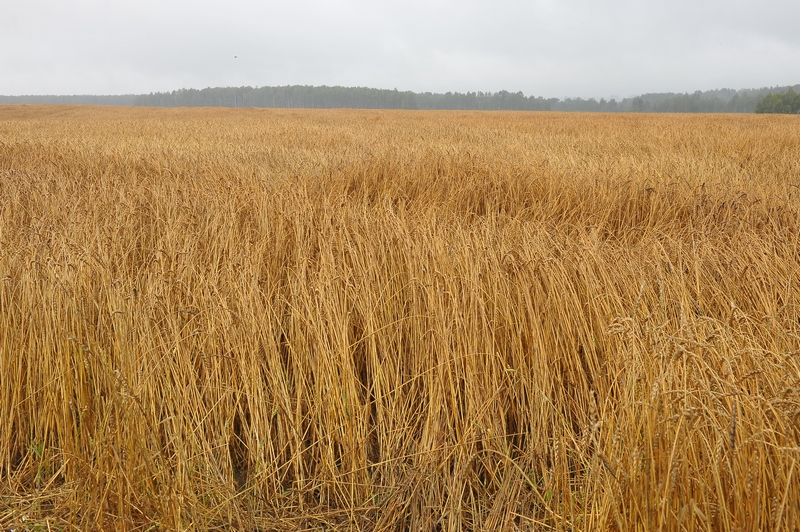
786,103
302,96
299,96
122,100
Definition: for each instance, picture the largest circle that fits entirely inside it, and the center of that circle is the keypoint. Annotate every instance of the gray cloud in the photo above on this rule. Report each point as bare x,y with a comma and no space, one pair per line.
541,47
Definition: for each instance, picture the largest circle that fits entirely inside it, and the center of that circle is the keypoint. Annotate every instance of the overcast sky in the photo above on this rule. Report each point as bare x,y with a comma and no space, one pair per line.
550,48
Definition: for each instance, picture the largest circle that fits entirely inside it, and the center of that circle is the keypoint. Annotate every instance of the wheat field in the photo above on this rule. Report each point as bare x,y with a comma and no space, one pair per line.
373,320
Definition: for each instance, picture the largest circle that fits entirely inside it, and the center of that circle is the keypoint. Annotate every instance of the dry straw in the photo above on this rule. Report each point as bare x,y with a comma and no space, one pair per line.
291,320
